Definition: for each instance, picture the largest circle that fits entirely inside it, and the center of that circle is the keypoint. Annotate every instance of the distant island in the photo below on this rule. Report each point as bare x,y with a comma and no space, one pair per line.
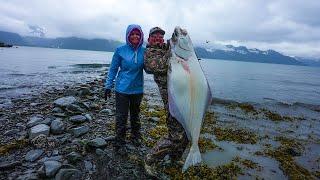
227,52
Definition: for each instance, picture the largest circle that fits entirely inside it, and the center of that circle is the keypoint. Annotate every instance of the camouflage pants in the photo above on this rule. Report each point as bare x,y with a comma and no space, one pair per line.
173,145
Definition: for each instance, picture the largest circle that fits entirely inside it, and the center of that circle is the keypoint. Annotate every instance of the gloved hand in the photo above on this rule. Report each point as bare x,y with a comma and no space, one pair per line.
107,94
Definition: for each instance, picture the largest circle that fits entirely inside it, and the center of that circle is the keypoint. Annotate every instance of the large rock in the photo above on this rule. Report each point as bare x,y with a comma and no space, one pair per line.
35,120
68,174
78,119
51,167
65,101
57,126
34,155
74,109
39,129
80,131
97,142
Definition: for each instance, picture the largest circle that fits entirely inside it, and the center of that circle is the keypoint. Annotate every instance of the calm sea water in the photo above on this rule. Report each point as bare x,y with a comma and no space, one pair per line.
29,70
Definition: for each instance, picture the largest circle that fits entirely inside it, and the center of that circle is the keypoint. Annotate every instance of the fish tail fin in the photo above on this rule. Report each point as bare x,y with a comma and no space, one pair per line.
193,158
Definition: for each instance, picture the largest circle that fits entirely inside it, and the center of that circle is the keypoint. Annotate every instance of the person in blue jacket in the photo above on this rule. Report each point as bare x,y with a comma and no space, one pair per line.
127,70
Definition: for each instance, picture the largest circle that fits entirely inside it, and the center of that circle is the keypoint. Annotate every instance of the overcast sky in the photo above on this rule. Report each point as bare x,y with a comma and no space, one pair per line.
289,26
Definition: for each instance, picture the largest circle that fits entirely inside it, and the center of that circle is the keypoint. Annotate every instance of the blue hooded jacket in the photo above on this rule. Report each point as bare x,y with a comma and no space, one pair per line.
127,66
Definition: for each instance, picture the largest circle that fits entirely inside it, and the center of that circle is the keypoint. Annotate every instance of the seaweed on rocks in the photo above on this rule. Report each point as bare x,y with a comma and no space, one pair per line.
206,144
235,135
17,144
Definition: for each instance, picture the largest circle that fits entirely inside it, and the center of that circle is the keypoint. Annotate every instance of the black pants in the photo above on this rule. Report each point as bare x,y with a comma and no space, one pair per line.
124,104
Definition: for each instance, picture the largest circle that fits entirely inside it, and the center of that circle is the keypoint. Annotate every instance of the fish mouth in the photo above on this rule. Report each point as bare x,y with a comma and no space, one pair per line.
178,31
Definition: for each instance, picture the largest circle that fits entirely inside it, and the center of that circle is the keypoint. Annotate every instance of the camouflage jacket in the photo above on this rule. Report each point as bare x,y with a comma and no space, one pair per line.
156,63
156,59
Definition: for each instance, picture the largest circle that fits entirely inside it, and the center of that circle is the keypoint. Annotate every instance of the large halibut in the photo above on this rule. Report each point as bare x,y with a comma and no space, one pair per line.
188,91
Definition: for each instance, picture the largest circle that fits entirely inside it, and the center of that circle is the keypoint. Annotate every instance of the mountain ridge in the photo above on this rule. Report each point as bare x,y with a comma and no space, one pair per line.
228,52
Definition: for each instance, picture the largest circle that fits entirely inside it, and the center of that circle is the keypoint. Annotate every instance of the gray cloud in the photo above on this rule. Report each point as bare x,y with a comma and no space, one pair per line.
290,26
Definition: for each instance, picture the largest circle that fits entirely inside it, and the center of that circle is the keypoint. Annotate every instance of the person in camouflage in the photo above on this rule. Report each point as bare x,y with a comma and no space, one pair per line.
156,59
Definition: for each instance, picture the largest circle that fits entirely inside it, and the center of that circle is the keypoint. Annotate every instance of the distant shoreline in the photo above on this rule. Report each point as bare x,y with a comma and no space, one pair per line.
5,45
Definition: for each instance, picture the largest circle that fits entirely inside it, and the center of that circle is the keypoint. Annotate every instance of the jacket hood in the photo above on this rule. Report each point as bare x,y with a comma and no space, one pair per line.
129,29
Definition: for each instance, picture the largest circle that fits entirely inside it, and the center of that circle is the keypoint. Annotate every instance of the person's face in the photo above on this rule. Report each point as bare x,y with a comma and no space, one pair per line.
156,39
134,37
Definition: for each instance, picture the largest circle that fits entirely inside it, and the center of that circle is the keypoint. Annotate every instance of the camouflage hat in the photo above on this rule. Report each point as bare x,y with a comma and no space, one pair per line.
156,29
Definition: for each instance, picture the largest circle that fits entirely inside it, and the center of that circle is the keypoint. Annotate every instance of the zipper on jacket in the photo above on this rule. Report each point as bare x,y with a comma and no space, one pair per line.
136,56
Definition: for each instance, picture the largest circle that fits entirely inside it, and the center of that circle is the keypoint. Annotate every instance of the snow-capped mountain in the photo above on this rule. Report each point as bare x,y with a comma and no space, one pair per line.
242,53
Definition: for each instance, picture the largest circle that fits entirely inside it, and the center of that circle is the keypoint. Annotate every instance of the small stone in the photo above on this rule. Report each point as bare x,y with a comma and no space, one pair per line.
100,152
62,115
88,116
51,167
41,172
52,158
166,158
11,132
84,91
110,138
73,108
20,126
88,165
73,157
86,105
65,101
9,165
47,121
97,142
28,176
106,111
65,138
71,92
35,120
34,155
57,127
68,174
55,152
78,119
39,129
80,131
154,119
34,104
94,106
57,110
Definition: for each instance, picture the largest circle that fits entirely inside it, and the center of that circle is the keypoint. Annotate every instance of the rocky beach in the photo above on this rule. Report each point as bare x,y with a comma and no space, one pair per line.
67,133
